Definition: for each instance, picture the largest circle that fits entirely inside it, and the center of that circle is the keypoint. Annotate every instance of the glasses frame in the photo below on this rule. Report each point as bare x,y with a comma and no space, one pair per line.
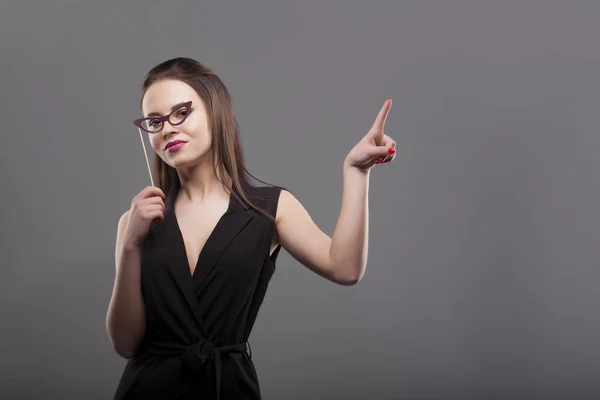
140,121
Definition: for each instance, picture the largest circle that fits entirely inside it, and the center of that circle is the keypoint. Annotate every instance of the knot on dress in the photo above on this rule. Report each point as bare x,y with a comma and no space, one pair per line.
203,353
198,355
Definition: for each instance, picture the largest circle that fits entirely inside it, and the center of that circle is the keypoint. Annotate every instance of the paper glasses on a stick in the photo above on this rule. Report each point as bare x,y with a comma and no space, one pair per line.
154,124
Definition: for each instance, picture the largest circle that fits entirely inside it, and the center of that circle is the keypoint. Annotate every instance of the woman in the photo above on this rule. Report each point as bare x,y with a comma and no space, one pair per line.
194,255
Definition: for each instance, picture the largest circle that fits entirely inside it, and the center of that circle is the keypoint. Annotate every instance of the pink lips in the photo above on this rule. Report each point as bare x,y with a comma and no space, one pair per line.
175,145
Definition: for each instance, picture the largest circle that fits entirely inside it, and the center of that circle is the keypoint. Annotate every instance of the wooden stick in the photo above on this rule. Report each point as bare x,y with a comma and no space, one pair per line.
146,155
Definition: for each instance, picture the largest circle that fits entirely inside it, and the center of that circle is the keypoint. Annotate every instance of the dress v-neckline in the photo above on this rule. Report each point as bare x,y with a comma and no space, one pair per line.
181,239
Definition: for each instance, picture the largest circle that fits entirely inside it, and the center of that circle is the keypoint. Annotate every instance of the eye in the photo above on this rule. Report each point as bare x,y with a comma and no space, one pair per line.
153,122
181,113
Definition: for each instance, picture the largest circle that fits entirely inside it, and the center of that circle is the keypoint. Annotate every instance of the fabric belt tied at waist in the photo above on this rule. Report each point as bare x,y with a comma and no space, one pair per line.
198,356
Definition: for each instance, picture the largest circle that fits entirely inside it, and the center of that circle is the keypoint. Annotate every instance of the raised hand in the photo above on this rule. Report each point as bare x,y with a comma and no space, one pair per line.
375,147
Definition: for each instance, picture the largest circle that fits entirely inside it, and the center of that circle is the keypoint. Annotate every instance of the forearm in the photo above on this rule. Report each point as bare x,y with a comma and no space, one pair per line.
349,245
126,319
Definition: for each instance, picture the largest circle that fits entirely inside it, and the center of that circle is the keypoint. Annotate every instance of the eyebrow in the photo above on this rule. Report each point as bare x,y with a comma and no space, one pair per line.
175,107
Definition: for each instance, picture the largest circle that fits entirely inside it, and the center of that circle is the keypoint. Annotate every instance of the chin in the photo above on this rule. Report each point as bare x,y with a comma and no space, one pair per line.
183,161
178,163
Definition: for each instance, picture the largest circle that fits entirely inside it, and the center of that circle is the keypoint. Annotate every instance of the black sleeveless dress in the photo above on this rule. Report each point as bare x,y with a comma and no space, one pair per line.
197,326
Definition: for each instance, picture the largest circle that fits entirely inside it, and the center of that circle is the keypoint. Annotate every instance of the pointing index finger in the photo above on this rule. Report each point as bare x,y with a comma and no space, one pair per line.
382,116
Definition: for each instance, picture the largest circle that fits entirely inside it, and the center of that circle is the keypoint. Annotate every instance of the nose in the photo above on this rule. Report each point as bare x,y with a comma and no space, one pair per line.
167,129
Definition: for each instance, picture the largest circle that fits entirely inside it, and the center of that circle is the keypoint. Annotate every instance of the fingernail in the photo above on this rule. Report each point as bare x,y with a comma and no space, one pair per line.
391,150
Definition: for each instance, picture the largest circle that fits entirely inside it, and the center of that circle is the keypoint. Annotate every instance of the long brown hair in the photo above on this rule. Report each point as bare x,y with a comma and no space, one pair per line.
226,143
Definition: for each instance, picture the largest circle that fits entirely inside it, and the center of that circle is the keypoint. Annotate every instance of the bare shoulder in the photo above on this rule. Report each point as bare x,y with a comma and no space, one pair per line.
291,213
288,204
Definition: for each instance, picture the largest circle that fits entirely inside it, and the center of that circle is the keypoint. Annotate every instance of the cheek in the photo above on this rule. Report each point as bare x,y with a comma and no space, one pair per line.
155,142
207,138
199,134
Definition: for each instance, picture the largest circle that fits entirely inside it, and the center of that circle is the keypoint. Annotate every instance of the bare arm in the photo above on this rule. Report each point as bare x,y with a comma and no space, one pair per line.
126,319
349,246
341,259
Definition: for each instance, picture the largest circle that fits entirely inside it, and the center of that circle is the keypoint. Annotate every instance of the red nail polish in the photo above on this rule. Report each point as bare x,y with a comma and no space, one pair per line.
391,150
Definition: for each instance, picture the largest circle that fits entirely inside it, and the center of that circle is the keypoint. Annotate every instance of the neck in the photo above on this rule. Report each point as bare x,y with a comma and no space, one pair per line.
202,182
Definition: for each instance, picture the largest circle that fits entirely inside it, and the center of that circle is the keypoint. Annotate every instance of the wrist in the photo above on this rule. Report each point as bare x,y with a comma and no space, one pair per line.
350,170
130,245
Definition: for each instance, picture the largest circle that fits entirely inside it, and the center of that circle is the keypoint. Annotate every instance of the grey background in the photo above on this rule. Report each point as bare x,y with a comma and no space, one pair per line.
482,280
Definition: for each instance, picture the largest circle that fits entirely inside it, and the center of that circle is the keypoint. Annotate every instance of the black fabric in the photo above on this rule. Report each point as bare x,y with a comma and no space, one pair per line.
198,325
